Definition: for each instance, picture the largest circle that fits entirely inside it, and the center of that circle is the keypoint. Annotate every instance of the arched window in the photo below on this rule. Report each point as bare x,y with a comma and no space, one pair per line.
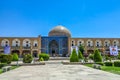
16,42
106,43
5,42
73,43
89,43
115,43
35,43
80,42
26,43
98,43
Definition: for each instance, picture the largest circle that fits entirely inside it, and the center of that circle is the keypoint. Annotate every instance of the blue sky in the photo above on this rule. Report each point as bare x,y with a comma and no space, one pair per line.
84,18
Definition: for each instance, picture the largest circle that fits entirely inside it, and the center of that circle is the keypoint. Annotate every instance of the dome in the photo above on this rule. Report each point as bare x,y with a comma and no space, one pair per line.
60,31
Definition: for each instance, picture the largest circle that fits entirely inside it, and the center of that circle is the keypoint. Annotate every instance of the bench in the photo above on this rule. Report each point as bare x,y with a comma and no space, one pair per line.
97,66
6,68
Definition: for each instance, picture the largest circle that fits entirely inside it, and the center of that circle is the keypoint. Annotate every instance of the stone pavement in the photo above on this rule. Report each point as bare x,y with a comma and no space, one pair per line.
57,71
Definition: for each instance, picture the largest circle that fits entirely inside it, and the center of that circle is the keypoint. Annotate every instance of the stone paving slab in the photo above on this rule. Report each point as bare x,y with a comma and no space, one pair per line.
57,72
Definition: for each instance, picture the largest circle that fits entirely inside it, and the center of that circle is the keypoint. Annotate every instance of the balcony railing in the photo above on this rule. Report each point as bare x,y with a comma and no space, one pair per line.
1,47
90,47
99,46
26,47
18,47
15,47
35,47
106,46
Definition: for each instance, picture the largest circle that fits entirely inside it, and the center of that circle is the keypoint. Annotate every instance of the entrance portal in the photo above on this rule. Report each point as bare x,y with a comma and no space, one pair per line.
53,48
53,51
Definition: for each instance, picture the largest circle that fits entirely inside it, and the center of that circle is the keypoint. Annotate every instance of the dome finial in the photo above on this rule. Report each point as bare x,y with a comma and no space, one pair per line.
59,24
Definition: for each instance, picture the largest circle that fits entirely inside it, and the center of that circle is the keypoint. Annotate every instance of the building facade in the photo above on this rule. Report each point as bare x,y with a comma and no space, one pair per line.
57,43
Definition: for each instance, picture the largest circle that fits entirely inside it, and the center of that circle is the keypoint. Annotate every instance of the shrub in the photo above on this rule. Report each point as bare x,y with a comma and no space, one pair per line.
106,57
86,59
10,57
117,63
5,58
44,56
2,65
119,56
15,57
110,59
27,58
80,56
100,63
108,64
91,56
41,59
97,56
73,56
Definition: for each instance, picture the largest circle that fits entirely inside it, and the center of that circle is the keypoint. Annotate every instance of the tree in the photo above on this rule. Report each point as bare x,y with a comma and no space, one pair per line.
97,56
80,56
119,56
15,57
81,48
74,56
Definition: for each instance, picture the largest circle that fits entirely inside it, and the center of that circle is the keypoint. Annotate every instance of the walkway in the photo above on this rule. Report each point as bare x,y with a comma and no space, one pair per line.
57,71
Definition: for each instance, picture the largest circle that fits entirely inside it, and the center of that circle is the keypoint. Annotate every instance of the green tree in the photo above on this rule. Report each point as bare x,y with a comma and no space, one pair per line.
80,56
74,56
15,57
97,56
81,48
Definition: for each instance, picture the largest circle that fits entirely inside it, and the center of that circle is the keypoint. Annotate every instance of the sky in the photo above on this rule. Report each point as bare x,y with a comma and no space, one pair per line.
84,18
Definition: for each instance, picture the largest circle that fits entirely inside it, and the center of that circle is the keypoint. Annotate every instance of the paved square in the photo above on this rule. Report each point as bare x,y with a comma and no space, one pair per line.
57,71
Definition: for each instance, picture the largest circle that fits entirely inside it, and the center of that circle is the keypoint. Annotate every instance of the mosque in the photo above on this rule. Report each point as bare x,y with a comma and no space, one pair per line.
58,43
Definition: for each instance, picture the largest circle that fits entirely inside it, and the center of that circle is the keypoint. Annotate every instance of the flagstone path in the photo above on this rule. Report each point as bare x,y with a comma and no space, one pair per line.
57,71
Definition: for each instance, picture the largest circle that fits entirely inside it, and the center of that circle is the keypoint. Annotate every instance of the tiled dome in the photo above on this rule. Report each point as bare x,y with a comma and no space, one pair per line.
60,31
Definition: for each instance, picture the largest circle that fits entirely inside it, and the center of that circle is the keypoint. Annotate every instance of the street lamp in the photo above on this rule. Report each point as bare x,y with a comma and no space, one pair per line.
103,50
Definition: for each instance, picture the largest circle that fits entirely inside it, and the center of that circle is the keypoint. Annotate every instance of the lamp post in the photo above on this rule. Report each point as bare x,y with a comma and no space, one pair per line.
31,52
103,50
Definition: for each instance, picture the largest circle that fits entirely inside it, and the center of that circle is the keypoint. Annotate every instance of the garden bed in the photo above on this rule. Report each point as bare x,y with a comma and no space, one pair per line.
28,64
75,63
112,69
12,67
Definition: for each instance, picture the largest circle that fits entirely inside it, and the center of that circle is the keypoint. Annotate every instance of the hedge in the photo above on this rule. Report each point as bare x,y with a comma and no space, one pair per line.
2,65
44,56
100,63
108,64
117,63
6,58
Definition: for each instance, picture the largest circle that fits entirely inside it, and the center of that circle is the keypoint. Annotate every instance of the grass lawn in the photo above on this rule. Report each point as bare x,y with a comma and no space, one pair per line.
13,67
111,69
0,71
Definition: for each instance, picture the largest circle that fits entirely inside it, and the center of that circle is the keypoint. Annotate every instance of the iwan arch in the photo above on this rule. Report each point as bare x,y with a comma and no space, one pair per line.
57,43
